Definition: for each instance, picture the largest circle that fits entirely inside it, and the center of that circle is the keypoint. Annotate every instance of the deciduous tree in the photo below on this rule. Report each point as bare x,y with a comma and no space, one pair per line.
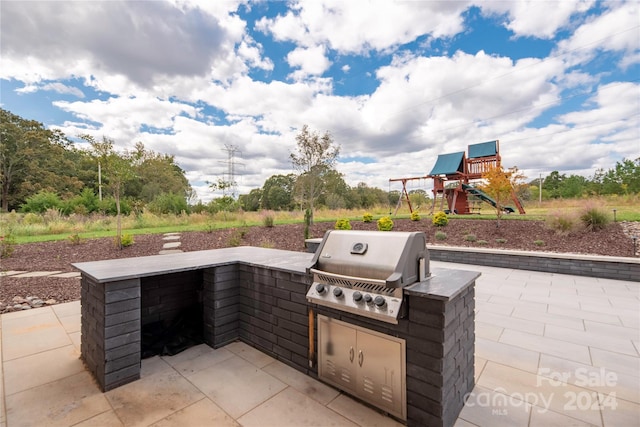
117,170
315,155
501,185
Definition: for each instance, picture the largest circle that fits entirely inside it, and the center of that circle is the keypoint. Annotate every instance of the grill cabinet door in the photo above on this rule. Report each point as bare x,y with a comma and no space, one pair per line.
380,373
337,353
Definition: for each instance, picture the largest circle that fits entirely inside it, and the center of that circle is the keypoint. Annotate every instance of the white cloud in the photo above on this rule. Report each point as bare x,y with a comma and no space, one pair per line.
615,30
535,18
357,27
121,118
63,89
187,67
311,61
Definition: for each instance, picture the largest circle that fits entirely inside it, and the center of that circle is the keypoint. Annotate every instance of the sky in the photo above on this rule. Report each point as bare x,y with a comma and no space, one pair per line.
225,86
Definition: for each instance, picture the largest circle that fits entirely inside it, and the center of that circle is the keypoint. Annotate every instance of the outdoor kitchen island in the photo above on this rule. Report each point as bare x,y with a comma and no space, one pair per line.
258,296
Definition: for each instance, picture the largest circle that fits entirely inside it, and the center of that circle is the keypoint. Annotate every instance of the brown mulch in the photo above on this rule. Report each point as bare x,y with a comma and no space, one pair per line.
58,256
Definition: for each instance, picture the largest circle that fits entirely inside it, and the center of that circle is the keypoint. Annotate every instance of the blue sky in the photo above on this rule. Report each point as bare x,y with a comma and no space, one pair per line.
395,83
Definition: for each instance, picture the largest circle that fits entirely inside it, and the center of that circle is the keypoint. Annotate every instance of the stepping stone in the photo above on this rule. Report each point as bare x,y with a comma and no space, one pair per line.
38,273
171,237
11,272
68,274
170,251
172,234
171,245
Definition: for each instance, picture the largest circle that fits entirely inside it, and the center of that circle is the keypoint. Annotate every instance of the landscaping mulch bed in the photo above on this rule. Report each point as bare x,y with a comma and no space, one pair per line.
614,240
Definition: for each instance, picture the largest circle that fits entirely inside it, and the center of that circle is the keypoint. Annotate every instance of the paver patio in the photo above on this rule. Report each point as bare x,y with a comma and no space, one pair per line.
552,350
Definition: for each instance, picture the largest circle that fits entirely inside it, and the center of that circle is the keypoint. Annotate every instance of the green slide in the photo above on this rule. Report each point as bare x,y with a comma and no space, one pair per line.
484,197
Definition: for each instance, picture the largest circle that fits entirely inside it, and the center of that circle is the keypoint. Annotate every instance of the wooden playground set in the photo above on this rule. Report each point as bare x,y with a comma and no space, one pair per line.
453,175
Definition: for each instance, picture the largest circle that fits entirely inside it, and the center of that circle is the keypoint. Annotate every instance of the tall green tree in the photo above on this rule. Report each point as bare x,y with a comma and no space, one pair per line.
35,159
314,157
335,194
277,192
251,202
156,175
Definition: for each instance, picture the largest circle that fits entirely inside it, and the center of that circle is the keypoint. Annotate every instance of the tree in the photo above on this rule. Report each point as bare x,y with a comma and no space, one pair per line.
501,185
315,156
117,170
250,202
418,198
34,159
157,174
277,192
335,194
552,184
222,185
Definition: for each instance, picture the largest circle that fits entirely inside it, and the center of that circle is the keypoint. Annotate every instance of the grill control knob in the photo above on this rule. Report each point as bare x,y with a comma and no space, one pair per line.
337,292
367,298
320,288
357,296
379,301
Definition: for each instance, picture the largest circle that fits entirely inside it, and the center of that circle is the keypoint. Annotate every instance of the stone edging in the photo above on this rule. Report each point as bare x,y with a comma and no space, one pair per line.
606,267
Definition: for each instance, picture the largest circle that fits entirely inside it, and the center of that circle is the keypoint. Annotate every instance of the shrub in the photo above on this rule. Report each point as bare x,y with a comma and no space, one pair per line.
41,202
561,221
108,206
7,244
441,235
538,242
126,240
32,218
236,236
267,220
415,216
482,242
440,219
343,224
168,203
367,217
594,217
470,237
501,240
74,239
385,224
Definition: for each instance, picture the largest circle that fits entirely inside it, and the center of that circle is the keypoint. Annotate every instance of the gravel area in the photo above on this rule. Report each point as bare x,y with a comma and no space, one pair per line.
614,240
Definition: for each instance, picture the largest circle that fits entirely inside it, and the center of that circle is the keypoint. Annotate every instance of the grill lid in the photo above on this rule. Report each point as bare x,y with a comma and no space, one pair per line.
397,259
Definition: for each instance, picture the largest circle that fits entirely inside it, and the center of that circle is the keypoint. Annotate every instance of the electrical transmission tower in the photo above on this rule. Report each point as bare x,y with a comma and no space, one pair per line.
231,167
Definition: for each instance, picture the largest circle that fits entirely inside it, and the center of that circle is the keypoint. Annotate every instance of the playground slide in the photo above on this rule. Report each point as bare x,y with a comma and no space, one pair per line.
484,197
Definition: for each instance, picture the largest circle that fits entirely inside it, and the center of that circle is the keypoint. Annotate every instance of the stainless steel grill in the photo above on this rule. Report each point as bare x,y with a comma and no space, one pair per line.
363,272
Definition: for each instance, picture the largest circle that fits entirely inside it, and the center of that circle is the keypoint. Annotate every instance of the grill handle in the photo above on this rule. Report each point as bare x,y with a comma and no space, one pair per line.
345,277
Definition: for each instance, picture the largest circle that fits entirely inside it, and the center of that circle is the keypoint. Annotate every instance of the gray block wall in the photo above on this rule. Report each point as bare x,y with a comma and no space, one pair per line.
578,265
273,314
165,296
267,309
440,358
111,335
221,302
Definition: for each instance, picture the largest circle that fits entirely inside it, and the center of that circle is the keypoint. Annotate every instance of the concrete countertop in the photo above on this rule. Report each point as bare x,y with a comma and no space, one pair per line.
443,284
132,268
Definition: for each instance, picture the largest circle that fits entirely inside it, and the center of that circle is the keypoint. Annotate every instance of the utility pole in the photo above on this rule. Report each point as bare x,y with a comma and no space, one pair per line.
540,192
231,167
100,181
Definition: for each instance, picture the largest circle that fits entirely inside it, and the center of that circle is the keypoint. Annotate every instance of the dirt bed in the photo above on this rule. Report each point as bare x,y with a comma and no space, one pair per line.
614,240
